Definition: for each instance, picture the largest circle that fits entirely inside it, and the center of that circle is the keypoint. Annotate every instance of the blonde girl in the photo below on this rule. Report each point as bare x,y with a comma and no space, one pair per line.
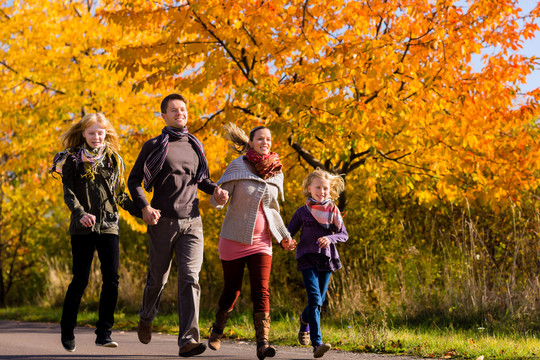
316,254
92,174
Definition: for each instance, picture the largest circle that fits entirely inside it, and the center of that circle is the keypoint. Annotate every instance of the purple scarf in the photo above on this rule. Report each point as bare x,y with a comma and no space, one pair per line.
154,162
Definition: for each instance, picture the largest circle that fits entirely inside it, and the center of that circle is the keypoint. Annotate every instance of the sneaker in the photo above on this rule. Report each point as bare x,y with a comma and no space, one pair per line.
303,333
105,341
69,345
320,350
144,331
192,349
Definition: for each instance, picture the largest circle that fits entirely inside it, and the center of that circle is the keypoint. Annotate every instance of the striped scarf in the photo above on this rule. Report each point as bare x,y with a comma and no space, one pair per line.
88,161
326,213
155,160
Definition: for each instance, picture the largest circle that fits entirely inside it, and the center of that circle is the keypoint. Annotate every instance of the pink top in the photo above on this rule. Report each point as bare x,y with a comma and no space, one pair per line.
262,241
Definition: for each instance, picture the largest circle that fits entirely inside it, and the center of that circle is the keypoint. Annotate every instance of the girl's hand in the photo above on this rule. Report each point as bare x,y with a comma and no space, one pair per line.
88,220
288,244
323,242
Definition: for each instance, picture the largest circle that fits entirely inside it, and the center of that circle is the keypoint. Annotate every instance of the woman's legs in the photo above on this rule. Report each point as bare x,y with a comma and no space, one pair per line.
233,274
82,250
108,253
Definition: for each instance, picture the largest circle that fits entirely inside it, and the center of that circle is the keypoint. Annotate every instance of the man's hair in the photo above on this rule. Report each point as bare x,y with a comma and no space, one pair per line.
168,98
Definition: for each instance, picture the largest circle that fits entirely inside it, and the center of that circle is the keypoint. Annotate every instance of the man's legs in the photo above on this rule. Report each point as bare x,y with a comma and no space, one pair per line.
160,243
189,248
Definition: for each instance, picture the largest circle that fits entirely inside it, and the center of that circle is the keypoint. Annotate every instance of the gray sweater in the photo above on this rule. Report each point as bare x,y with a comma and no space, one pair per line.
246,191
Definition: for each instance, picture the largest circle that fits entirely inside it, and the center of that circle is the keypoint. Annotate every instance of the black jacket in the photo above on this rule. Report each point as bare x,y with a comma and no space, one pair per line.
84,195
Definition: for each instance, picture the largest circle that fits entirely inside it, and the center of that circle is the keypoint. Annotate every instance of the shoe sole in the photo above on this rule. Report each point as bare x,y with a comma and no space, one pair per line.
69,350
303,337
193,352
112,344
321,350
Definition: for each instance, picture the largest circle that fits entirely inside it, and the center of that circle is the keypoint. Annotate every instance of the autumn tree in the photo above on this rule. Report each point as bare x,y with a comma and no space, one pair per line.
375,90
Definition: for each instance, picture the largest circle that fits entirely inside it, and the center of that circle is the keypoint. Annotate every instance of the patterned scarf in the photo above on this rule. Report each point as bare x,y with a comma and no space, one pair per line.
154,162
326,213
266,165
89,160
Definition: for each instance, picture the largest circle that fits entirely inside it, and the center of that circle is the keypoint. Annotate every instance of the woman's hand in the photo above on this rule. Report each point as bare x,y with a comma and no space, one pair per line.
288,244
221,196
88,220
323,242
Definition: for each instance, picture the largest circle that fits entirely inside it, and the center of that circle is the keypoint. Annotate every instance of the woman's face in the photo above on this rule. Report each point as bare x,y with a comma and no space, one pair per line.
319,189
262,141
95,135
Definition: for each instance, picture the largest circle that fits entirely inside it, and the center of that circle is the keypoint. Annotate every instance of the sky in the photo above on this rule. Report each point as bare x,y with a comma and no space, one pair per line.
530,48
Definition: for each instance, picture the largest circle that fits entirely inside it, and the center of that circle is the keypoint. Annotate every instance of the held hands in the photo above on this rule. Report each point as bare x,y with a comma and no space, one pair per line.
88,220
221,196
288,244
323,242
151,215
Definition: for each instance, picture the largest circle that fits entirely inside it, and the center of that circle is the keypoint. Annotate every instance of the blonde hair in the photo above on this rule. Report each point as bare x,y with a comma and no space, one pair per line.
73,137
337,184
240,141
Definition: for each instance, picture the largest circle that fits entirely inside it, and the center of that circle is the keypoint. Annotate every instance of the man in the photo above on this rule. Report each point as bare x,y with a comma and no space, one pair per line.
174,166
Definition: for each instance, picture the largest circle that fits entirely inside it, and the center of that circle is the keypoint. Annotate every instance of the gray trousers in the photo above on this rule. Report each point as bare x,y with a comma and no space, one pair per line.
183,237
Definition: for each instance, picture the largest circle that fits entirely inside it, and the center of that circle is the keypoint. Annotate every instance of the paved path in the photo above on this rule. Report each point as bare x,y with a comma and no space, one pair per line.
33,341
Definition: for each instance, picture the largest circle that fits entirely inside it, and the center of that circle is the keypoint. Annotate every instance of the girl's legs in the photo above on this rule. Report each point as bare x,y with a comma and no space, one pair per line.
82,250
316,284
108,252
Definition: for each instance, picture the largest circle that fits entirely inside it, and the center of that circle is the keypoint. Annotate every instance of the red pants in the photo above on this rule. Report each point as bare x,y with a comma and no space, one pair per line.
259,266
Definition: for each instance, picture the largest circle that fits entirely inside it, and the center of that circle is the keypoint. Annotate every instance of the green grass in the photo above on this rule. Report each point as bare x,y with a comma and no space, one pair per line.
345,334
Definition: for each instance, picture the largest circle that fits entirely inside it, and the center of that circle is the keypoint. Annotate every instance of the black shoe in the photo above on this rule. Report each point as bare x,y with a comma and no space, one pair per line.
69,345
106,341
192,349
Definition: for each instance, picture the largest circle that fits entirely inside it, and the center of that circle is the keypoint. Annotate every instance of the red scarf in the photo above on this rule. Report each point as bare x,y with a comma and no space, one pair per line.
266,165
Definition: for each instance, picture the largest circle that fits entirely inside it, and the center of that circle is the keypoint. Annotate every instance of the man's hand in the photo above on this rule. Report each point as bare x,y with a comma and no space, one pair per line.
221,196
151,215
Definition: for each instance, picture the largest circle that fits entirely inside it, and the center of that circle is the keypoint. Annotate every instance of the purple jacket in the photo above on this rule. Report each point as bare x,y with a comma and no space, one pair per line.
311,231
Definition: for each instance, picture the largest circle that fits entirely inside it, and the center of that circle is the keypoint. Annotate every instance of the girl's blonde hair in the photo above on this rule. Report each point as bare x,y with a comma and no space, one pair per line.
73,137
337,184
240,141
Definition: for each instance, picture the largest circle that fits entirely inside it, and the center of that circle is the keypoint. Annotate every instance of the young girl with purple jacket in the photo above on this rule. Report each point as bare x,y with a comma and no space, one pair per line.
316,254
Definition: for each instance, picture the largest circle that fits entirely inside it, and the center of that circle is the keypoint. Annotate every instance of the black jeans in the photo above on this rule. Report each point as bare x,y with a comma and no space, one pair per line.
82,248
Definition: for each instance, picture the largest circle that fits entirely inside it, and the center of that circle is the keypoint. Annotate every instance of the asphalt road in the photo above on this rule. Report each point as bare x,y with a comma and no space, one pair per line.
33,341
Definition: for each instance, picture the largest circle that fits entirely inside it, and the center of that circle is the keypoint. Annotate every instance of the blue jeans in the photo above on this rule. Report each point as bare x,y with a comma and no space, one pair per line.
316,284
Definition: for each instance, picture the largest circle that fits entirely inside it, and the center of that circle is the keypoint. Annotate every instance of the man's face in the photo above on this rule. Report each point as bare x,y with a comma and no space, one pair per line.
176,115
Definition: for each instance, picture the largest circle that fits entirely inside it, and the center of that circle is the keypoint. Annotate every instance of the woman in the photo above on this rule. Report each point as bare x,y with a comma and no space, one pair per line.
253,181
93,181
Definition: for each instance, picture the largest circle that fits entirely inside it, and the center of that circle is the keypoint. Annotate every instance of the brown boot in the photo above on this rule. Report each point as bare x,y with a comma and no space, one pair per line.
214,342
261,321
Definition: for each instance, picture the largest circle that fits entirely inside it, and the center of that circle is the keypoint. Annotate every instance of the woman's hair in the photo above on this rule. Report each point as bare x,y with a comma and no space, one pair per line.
240,141
73,137
337,184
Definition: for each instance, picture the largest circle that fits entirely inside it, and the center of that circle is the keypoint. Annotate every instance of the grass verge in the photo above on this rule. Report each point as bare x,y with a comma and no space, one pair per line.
345,334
